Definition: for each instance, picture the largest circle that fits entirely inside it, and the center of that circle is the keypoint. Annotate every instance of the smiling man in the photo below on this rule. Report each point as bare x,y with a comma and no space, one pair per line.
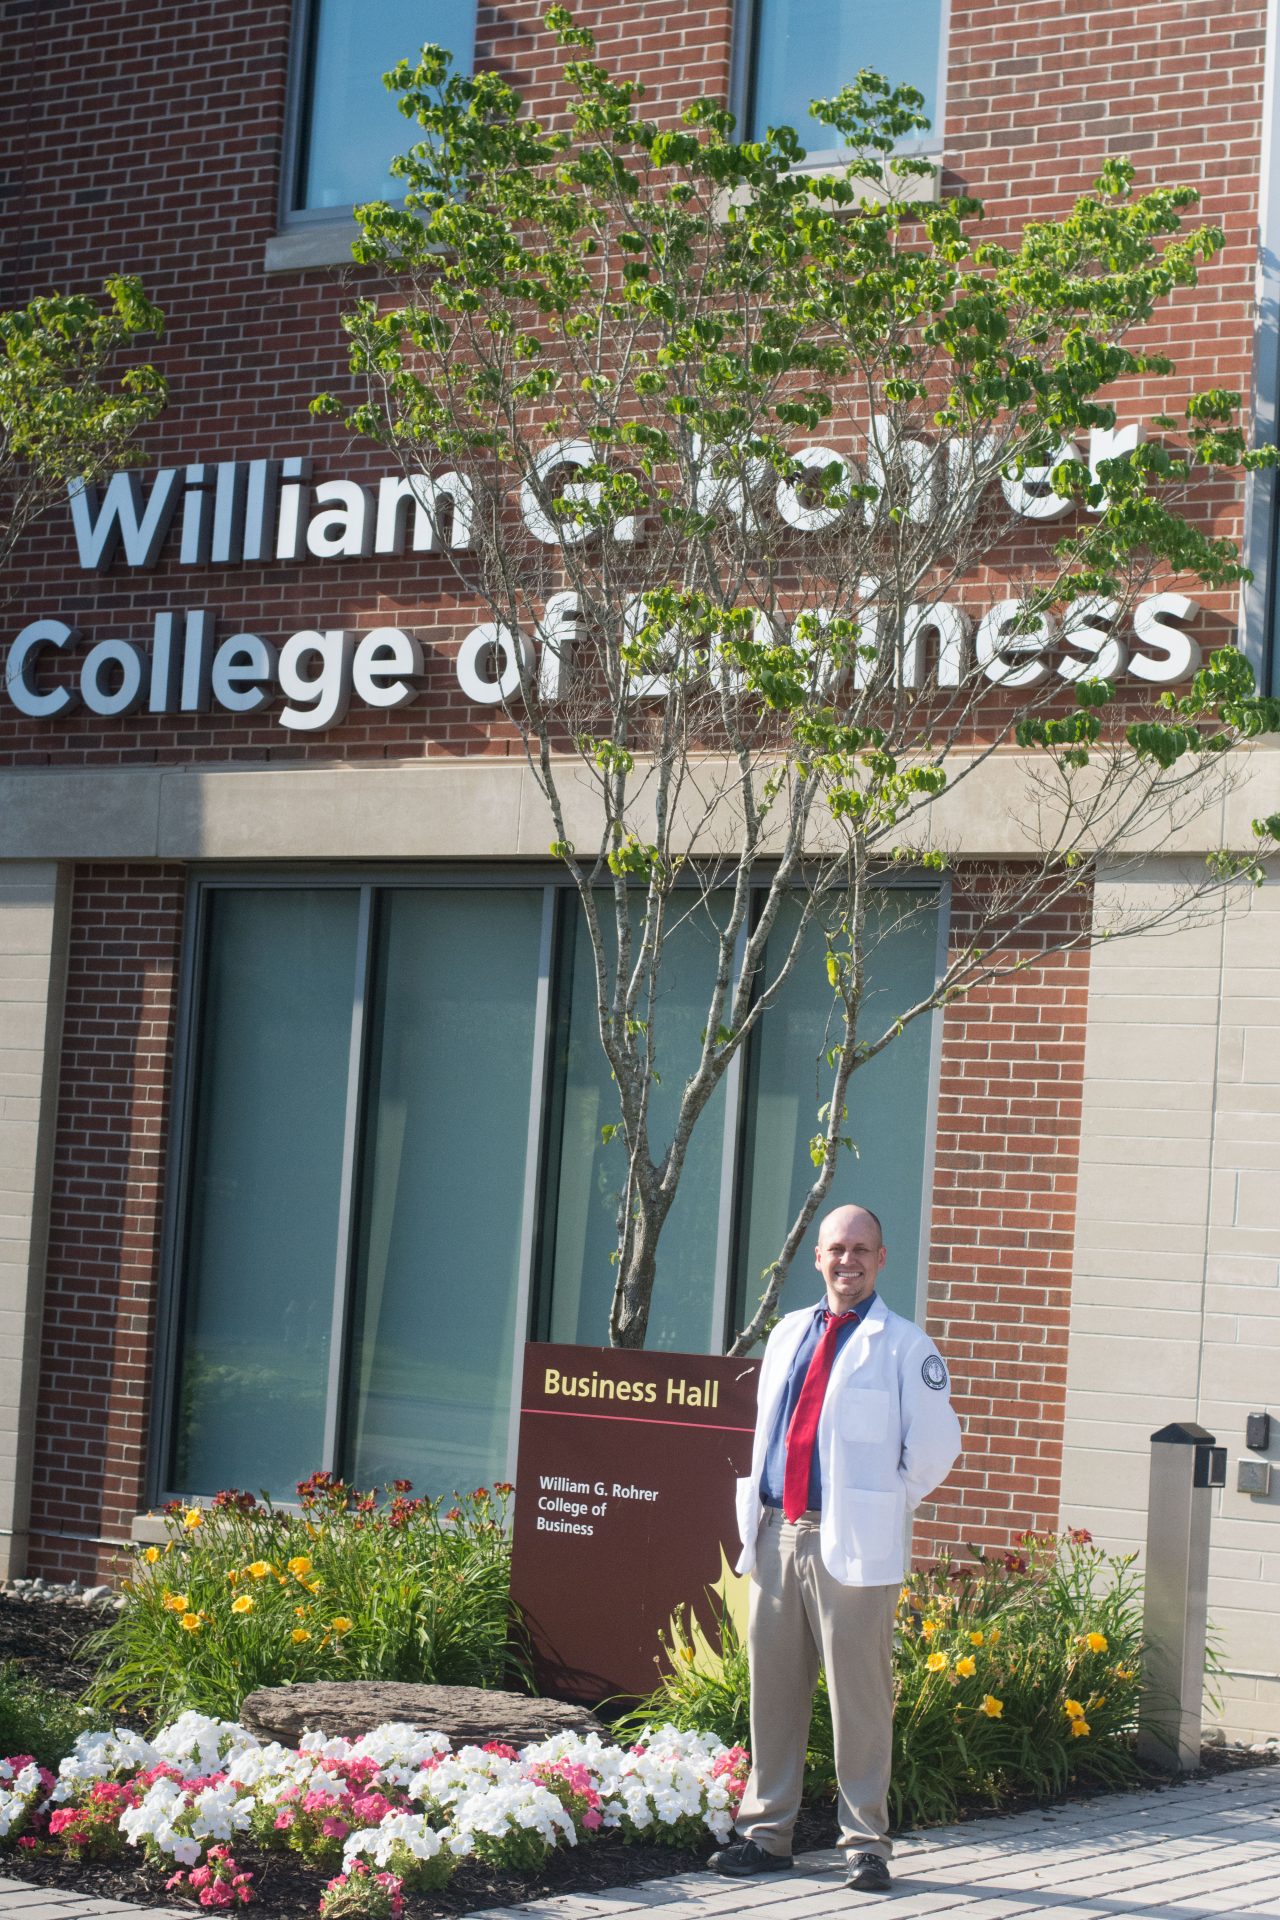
854,1428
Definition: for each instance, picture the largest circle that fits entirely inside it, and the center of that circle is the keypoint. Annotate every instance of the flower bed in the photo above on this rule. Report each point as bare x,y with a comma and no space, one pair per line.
347,1585
395,1811
1016,1675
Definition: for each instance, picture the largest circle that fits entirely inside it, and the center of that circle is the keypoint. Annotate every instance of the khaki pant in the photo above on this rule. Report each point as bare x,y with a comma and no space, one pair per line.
799,1617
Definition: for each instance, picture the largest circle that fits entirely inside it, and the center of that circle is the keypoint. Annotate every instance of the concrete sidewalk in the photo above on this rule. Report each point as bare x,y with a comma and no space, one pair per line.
1198,1852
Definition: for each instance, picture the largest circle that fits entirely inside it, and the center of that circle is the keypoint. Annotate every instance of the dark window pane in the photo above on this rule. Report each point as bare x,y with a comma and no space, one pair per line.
807,50
446,1130
581,1224
352,126
265,1173
789,1081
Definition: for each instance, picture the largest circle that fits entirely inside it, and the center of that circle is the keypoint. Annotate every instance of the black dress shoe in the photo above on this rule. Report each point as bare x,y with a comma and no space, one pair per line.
744,1859
867,1873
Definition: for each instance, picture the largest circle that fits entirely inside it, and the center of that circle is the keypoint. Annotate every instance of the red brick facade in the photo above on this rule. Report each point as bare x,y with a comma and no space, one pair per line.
153,142
104,1242
1002,1241
148,137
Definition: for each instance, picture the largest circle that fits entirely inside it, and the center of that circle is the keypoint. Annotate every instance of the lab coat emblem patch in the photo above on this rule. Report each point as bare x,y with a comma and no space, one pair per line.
934,1373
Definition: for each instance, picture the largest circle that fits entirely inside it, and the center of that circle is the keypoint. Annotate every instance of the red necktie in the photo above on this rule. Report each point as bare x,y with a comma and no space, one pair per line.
803,1431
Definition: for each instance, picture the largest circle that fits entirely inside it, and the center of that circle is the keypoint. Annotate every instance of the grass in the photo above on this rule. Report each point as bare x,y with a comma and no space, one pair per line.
37,1720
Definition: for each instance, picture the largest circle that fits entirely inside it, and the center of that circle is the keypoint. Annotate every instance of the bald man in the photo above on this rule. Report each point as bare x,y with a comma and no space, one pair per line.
854,1428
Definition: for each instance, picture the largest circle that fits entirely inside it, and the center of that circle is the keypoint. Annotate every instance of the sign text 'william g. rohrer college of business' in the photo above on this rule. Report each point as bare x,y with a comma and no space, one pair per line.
269,511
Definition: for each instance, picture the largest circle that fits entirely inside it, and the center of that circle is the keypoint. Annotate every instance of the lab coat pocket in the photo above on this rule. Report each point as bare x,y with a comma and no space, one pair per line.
873,1524
863,1414
748,1509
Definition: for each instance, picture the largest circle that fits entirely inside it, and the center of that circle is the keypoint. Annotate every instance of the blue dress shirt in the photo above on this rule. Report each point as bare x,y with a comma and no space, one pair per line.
775,1459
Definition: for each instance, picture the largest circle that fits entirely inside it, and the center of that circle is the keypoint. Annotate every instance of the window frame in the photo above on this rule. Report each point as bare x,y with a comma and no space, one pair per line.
742,78
372,882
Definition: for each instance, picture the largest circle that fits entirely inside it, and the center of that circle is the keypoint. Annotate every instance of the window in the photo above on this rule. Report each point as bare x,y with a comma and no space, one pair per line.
389,1168
346,126
797,51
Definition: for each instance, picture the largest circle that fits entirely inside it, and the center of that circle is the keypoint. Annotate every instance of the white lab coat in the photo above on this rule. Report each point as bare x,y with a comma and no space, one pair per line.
886,1439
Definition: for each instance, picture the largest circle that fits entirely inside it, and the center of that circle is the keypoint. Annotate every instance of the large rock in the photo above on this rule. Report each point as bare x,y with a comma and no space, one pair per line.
466,1715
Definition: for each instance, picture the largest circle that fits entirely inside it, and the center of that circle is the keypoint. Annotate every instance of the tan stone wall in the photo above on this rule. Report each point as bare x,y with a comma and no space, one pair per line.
1176,1303
33,932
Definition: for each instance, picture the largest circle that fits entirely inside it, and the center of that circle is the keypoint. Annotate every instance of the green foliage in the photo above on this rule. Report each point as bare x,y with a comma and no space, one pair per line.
35,1719
682,302
66,409
245,1595
996,1660
741,683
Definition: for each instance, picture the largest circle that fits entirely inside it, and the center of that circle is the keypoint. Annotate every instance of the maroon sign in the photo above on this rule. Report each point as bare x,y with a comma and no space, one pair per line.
624,1498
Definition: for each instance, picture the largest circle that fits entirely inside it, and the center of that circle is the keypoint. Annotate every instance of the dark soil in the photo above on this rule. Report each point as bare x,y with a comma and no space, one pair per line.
42,1637
283,1887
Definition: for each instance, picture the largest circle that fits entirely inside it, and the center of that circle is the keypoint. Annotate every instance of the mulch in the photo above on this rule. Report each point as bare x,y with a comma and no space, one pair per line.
43,1637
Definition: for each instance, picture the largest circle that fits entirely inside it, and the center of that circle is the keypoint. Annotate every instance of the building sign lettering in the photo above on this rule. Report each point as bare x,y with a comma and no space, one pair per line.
271,511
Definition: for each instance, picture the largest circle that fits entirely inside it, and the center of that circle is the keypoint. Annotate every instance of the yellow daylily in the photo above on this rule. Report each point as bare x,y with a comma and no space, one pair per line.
244,1604
258,1569
992,1707
993,1636
1073,1709
192,1519
299,1635
1096,1642
936,1662
192,1622
300,1566
313,1586
176,1602
151,1555
977,1639
929,1628
966,1667
1079,1728
343,1625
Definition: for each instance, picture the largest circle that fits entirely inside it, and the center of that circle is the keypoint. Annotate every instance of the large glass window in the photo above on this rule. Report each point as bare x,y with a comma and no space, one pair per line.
349,127
393,1170
265,1174
788,1082
806,50
446,1134
587,1176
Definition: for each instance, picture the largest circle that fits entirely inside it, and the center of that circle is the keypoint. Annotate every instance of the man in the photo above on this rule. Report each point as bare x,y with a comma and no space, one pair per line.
854,1428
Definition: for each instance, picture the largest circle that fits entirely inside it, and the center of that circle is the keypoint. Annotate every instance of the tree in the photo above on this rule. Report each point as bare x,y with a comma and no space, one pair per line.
724,439
65,411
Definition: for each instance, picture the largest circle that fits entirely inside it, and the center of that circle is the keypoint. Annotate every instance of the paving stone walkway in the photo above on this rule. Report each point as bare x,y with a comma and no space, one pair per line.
1199,1852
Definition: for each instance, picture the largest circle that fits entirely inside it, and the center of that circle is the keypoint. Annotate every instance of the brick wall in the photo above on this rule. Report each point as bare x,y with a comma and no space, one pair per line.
100,1291
152,141
1002,1236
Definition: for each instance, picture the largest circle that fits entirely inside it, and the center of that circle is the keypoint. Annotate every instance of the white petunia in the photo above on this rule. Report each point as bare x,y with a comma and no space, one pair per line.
410,1830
